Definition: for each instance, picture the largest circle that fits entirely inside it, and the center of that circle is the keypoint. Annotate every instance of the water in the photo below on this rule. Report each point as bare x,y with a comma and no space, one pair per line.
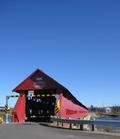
109,119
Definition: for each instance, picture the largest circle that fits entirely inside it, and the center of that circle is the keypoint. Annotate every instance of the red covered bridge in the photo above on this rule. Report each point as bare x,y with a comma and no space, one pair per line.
42,97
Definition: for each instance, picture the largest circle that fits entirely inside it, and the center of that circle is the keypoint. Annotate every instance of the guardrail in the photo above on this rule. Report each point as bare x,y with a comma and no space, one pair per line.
85,122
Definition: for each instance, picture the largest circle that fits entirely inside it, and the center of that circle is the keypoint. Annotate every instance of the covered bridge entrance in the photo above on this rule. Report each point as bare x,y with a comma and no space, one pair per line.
40,106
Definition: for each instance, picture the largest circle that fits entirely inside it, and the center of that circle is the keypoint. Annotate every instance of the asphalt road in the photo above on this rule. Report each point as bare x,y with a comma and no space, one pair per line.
36,131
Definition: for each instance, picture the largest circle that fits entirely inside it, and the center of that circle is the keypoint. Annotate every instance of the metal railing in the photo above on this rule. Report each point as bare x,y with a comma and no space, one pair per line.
92,123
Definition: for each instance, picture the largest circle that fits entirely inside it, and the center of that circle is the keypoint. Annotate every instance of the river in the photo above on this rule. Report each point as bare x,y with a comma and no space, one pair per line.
109,119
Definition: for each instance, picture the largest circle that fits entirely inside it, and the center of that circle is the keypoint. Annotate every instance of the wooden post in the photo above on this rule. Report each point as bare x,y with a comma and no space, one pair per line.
70,125
57,123
81,126
57,118
93,128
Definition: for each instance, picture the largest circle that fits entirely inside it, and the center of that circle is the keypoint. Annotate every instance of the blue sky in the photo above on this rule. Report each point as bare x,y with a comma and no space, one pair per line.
77,42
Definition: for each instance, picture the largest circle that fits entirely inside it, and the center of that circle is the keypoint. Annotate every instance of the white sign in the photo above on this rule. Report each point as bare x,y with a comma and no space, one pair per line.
30,94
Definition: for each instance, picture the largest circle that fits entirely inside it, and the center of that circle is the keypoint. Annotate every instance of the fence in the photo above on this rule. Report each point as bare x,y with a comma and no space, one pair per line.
92,123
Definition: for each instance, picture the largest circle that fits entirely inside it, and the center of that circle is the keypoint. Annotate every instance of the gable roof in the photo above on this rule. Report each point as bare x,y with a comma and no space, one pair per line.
38,80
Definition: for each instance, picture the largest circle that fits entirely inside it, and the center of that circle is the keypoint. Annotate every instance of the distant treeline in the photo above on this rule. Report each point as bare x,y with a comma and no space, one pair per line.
111,109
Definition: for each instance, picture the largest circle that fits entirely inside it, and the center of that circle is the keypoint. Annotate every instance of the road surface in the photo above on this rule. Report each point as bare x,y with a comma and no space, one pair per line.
36,131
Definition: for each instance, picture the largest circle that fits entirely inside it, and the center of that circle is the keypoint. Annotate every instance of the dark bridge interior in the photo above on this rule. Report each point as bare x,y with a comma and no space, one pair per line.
40,107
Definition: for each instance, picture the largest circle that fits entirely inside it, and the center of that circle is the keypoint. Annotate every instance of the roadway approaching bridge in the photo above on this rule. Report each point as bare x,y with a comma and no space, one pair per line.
36,131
